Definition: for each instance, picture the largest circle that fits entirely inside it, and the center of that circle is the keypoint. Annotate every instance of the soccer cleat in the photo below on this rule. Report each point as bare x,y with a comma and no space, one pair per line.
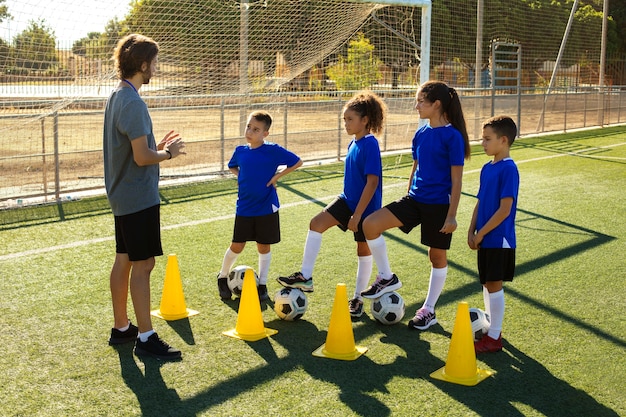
356,307
423,319
297,280
488,345
222,286
118,337
156,348
262,290
381,286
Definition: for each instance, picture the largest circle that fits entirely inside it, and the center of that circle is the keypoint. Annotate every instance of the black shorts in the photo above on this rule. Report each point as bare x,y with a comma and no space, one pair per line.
139,234
430,216
340,210
260,229
496,264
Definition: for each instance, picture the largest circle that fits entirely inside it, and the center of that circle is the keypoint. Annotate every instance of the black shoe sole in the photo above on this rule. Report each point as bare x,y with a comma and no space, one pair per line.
296,286
430,324
389,288
122,340
171,357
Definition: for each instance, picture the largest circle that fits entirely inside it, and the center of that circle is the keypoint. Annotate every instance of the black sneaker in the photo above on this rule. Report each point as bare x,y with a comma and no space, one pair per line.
129,335
356,307
262,290
222,286
156,348
381,286
423,319
297,280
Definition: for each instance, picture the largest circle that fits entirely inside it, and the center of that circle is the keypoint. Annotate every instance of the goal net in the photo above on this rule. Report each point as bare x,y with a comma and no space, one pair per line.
219,59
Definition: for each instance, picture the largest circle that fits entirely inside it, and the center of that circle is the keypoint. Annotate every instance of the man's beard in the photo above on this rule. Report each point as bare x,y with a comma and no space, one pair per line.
146,75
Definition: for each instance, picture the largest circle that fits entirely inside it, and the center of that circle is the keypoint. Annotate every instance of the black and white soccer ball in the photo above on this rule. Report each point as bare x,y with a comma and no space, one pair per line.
235,279
388,308
290,303
480,323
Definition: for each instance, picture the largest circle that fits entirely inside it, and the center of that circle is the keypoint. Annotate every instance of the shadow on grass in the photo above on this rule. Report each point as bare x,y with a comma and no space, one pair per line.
519,381
153,395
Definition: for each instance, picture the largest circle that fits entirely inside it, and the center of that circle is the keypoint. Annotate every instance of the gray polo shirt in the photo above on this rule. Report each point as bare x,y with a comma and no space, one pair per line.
130,188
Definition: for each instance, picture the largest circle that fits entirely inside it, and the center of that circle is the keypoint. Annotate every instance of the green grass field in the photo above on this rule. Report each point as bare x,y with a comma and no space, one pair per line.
564,330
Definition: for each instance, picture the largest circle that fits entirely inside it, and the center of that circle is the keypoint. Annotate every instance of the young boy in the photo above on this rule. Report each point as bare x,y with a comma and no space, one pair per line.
492,229
255,165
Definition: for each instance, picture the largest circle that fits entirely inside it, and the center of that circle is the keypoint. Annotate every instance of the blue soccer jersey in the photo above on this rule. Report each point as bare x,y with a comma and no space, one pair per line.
362,159
436,150
497,181
256,168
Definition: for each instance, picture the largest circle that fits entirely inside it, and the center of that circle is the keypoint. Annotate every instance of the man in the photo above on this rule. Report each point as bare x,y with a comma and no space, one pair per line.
131,176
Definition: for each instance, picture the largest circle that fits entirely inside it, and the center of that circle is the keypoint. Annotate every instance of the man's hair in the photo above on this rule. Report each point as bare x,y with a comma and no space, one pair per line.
503,126
131,52
262,116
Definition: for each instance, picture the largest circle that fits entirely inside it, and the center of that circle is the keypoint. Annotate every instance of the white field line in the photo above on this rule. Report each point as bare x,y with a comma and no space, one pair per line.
80,243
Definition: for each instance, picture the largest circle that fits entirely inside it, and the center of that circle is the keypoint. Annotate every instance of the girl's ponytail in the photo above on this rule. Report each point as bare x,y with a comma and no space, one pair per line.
456,118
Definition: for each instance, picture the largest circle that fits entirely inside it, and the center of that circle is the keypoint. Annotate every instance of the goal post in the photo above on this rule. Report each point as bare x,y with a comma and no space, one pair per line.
426,6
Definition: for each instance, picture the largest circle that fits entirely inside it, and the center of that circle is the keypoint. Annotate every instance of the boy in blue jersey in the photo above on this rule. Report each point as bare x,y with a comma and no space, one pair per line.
492,229
363,115
255,165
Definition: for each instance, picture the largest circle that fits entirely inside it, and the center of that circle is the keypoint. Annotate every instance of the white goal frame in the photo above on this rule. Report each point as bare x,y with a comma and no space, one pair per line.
426,6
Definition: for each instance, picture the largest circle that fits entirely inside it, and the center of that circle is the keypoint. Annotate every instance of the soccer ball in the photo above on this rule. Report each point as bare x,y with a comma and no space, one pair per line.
235,279
290,303
480,323
388,308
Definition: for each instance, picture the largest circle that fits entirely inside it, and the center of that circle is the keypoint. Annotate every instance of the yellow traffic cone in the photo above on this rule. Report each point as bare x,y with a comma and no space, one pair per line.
250,326
173,300
461,363
340,338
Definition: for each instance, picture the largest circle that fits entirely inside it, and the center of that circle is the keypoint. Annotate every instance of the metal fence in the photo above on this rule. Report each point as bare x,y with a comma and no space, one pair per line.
58,155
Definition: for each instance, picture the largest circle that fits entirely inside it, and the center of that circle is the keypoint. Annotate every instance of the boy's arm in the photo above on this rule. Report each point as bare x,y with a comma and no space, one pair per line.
366,197
284,172
450,225
234,170
498,217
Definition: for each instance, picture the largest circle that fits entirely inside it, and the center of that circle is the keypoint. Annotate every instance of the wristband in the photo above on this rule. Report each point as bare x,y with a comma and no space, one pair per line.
169,153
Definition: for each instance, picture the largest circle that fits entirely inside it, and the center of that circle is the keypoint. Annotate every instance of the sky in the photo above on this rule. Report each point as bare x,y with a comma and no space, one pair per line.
69,19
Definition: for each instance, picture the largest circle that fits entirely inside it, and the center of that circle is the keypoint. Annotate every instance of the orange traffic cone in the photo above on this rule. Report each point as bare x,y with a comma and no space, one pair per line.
461,363
250,326
340,338
173,300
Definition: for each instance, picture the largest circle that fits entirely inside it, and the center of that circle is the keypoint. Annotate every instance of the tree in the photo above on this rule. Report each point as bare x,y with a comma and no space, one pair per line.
35,47
100,45
81,46
4,12
360,69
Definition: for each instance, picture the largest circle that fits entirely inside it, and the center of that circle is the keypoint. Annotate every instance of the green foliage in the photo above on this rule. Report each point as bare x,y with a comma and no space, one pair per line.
100,45
4,11
360,69
35,47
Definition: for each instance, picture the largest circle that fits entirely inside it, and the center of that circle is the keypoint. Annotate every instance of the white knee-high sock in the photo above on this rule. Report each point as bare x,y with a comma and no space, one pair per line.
378,247
311,249
435,286
363,273
486,301
264,267
496,300
227,264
